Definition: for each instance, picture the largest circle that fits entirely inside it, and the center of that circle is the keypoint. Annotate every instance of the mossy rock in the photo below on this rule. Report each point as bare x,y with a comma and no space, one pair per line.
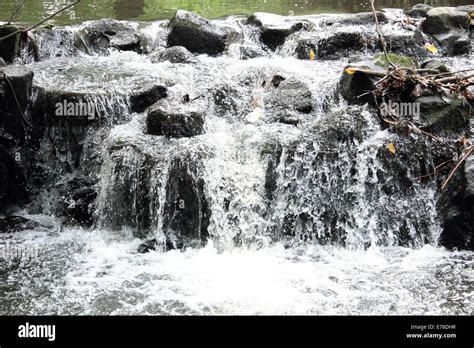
401,61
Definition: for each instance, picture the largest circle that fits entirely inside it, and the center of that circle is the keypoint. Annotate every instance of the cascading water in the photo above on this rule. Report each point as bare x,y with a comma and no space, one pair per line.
294,220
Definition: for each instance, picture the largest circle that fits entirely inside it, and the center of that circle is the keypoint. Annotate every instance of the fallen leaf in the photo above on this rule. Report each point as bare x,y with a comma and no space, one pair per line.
391,148
350,71
312,55
431,48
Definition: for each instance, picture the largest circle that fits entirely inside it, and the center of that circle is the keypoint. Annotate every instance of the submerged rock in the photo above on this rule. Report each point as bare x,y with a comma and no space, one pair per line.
175,120
197,34
450,28
146,95
10,47
274,28
106,33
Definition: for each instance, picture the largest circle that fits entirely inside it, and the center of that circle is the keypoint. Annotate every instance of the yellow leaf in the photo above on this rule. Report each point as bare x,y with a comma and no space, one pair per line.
431,48
350,71
312,55
391,148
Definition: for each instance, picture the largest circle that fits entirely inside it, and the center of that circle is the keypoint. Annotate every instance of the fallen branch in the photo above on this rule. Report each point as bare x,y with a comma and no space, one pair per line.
14,13
470,150
41,22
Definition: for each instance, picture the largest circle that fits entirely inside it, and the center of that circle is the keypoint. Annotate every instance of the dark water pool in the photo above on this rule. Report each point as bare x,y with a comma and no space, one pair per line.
34,10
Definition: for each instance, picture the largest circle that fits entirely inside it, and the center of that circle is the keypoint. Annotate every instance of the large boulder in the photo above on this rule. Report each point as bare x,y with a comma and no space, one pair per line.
175,120
99,36
457,209
15,92
197,34
450,28
10,47
175,54
274,28
443,115
146,95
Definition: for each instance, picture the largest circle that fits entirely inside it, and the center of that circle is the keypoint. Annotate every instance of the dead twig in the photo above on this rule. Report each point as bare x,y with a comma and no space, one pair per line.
469,151
14,13
41,22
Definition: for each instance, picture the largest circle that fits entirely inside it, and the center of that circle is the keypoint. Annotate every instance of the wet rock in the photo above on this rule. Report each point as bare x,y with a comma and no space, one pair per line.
11,224
274,28
148,246
146,95
291,95
16,83
79,201
10,47
175,120
419,10
101,35
176,54
457,209
251,52
435,64
450,28
272,153
129,199
197,34
405,42
231,101
443,115
186,211
341,44
364,18
12,179
55,42
356,88
304,47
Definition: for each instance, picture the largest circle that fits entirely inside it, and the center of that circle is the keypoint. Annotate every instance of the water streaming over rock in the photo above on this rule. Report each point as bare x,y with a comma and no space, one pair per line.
301,210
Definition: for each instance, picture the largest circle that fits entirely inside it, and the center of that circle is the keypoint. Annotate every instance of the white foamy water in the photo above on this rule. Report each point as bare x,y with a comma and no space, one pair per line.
92,272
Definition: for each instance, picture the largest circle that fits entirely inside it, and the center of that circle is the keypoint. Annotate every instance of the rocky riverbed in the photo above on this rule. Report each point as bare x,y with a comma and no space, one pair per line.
238,137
